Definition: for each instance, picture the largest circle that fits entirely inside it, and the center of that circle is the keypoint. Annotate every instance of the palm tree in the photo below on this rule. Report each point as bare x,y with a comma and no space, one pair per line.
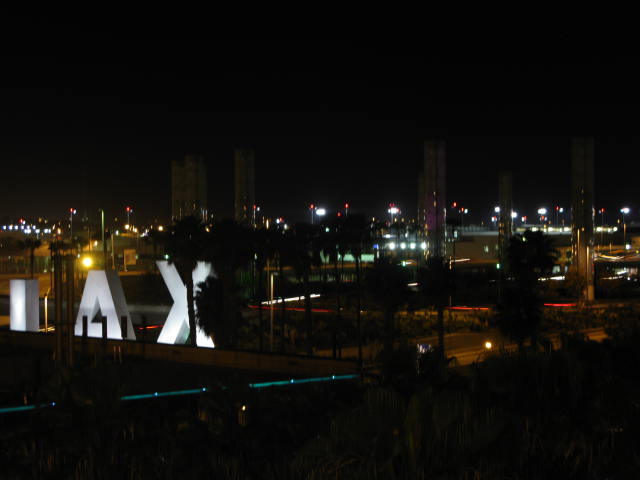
387,283
31,244
436,286
262,246
529,256
357,237
330,250
306,254
185,244
228,247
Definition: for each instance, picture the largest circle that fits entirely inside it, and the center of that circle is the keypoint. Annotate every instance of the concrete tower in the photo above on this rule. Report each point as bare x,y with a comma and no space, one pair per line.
435,205
189,188
244,191
505,224
582,214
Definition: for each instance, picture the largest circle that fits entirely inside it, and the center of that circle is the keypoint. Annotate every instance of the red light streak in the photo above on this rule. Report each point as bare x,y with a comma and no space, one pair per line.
294,309
467,308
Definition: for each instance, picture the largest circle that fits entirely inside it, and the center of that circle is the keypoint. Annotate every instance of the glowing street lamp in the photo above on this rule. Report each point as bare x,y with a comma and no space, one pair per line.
393,210
558,211
624,211
601,212
72,212
542,212
321,212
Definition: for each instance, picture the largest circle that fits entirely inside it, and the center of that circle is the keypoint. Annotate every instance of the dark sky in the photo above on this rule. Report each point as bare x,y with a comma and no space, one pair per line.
93,110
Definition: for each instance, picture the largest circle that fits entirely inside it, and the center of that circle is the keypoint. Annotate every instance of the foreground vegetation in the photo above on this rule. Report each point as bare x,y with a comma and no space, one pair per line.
571,413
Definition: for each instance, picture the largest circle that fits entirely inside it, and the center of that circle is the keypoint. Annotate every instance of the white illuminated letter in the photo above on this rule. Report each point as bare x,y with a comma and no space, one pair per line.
24,311
176,326
103,291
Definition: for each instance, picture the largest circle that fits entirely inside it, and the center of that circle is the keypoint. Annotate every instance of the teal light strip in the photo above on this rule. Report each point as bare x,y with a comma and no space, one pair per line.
22,408
174,393
298,381
196,391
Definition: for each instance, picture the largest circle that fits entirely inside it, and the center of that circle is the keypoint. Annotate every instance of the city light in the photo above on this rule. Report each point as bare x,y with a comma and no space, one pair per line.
321,212
87,261
542,211
625,210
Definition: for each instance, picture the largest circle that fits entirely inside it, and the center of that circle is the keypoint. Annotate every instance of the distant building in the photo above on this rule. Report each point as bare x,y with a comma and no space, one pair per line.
189,188
435,203
245,186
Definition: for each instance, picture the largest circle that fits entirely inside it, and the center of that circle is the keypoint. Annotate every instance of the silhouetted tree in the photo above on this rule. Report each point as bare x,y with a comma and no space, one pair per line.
436,284
31,244
228,247
387,283
185,245
306,254
357,238
519,315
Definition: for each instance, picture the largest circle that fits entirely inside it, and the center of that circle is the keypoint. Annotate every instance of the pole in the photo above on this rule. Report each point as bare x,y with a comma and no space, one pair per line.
271,311
70,277
104,245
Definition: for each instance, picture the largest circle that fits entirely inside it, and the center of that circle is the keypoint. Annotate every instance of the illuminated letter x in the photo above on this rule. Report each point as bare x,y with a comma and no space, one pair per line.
176,327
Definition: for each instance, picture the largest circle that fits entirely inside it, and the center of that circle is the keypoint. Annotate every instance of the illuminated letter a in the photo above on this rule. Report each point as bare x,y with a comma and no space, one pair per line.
103,292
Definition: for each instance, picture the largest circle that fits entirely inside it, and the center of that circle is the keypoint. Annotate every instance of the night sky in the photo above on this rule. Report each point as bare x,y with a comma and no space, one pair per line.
93,111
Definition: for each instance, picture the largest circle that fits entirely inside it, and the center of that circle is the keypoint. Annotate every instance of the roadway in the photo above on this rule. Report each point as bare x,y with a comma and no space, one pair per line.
465,348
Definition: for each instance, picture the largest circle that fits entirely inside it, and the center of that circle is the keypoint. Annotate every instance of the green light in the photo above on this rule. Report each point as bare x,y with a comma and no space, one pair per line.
195,391
293,381
174,393
23,408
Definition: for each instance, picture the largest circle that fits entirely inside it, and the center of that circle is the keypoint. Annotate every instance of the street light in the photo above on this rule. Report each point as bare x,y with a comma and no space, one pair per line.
624,211
393,210
104,245
601,212
72,212
542,212
463,211
558,211
312,208
129,211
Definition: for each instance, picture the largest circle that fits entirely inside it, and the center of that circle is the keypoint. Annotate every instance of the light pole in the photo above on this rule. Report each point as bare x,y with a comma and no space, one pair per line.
72,212
312,208
321,212
463,211
601,211
129,211
393,210
558,211
624,211
542,212
104,245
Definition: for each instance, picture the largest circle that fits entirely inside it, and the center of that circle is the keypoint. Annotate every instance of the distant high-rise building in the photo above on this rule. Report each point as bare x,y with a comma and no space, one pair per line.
582,214
245,187
505,223
435,203
421,201
189,188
